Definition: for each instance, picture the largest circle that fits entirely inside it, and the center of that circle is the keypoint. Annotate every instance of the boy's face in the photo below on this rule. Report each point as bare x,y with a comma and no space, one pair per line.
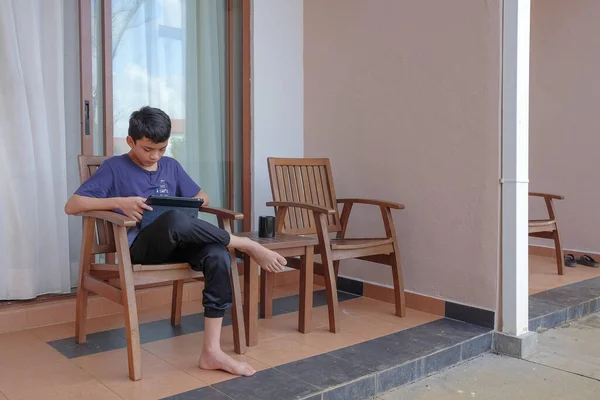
146,151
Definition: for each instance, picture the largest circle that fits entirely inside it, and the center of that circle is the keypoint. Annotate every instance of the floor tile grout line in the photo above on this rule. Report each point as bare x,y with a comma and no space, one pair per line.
112,391
175,366
322,391
459,363
224,394
560,369
295,377
340,358
378,318
282,372
93,378
340,385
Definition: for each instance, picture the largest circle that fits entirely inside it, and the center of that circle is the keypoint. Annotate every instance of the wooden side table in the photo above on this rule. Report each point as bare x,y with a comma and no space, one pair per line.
287,246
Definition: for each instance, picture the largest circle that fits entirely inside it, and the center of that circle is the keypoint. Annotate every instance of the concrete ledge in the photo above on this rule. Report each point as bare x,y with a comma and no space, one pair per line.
515,346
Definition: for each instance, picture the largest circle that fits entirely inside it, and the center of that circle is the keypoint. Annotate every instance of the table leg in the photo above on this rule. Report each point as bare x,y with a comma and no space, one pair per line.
306,291
266,294
251,302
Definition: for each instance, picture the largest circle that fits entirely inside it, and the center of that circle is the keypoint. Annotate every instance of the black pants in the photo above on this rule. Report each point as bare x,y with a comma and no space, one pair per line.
175,237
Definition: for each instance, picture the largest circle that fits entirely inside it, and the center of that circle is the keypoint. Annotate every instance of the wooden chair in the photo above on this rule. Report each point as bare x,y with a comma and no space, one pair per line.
105,232
548,228
305,204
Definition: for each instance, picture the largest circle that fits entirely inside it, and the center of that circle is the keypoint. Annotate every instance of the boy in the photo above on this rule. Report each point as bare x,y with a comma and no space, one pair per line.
122,183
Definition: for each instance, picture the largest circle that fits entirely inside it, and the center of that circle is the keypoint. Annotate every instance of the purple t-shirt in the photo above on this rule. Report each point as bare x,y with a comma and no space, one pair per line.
119,176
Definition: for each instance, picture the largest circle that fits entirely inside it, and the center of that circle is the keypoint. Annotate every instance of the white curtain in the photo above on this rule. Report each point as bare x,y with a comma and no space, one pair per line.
34,253
205,96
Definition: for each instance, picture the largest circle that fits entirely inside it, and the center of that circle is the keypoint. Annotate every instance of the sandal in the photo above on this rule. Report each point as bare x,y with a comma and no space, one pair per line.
588,261
570,260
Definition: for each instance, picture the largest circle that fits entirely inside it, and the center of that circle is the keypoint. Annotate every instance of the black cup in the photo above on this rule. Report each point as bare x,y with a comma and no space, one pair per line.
266,227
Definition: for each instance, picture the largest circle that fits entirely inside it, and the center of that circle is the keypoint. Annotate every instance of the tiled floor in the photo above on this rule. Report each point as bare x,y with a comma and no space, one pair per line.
543,275
375,349
556,299
46,362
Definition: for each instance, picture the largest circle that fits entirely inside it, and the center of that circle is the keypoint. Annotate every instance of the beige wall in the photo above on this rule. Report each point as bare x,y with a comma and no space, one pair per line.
565,112
403,96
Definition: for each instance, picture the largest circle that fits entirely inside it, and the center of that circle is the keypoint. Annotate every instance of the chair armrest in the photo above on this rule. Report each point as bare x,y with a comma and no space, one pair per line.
547,195
222,212
307,206
380,203
110,216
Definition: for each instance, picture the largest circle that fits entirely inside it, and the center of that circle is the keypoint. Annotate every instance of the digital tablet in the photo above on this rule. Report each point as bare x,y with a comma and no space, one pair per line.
160,204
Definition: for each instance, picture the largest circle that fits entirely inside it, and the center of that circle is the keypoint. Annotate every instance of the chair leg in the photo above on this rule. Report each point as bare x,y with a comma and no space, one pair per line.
132,327
176,303
390,230
85,260
560,258
336,269
399,297
330,281
81,315
306,291
239,333
332,297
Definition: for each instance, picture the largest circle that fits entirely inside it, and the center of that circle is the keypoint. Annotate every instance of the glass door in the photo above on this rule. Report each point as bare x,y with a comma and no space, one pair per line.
186,57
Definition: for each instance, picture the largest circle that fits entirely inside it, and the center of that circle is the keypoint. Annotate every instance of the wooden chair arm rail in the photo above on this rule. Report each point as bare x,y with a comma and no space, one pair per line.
307,206
110,216
380,203
222,212
547,195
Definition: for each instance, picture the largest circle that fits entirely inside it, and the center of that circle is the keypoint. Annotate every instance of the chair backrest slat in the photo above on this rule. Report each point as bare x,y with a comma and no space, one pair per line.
305,180
104,237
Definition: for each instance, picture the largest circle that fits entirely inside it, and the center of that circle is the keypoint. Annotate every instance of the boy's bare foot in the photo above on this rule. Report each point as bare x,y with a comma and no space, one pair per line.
267,259
219,360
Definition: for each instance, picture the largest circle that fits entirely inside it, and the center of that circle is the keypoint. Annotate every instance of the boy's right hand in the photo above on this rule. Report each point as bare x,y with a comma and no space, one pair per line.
133,207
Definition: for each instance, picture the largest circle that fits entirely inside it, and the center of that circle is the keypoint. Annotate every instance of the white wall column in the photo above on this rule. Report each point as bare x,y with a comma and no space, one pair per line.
277,91
515,167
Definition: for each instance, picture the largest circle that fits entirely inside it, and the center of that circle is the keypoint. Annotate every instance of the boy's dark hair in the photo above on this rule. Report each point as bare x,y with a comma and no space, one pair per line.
150,122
